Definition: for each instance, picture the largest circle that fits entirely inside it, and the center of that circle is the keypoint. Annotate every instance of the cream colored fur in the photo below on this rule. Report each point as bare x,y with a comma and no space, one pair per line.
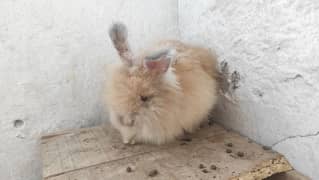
179,99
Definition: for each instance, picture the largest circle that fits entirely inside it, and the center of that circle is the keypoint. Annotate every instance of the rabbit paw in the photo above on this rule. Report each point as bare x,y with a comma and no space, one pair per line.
127,121
128,139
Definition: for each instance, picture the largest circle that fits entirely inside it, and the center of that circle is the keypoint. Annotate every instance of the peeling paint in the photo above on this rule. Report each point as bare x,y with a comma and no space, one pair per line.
258,93
235,78
228,82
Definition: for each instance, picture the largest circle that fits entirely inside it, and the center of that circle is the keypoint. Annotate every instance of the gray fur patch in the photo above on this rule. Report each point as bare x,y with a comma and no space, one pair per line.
118,32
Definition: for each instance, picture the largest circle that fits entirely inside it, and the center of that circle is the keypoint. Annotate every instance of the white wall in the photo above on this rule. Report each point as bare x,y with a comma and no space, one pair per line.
274,47
52,66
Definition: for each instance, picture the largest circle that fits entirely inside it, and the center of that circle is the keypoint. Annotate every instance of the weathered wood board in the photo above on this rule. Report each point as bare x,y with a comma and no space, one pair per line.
98,154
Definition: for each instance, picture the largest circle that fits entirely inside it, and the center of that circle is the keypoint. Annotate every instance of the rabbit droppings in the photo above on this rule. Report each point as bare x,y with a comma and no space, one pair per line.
156,96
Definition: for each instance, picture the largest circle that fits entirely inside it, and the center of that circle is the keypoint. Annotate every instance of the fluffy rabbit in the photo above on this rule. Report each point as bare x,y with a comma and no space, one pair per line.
156,96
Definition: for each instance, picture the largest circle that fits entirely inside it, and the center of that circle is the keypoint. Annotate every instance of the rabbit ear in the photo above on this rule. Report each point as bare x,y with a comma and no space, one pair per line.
118,35
159,62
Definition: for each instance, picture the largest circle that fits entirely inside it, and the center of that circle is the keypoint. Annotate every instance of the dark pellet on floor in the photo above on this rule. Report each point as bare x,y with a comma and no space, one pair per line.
204,171
266,148
229,144
229,151
240,154
183,143
213,167
201,166
187,139
128,169
153,173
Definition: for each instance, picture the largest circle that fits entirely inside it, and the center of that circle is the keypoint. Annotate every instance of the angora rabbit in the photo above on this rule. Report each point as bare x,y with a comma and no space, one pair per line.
156,96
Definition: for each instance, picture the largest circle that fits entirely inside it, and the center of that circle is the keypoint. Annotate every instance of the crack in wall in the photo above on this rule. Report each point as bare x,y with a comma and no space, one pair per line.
297,76
293,137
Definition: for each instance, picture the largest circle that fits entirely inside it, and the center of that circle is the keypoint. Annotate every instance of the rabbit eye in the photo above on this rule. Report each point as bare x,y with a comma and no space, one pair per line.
144,98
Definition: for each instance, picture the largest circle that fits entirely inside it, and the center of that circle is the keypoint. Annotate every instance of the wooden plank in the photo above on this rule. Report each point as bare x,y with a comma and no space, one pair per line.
98,153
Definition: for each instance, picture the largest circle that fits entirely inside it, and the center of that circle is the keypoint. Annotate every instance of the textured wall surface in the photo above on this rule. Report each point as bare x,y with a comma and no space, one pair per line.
52,65
270,52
